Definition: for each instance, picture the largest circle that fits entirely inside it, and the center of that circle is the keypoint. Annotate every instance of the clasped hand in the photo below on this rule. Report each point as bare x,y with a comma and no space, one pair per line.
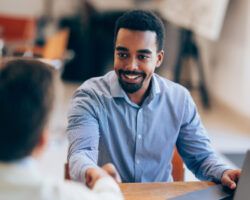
94,174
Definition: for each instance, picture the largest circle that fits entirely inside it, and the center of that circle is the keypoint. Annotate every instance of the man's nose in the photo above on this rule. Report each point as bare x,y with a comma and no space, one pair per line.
133,64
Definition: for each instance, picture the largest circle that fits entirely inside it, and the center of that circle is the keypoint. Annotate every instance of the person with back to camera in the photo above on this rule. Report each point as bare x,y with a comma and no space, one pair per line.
26,96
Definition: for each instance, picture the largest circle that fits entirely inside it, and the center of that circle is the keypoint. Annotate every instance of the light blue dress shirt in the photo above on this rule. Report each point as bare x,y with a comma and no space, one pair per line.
105,126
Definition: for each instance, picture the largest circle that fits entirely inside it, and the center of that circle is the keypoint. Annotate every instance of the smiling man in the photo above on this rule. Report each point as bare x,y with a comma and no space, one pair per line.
136,57
134,118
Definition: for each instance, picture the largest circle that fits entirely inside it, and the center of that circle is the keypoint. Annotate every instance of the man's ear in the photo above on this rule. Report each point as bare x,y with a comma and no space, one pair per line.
160,56
42,143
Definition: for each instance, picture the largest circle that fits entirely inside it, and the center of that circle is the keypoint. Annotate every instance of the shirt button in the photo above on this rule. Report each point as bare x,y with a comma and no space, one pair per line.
138,162
139,136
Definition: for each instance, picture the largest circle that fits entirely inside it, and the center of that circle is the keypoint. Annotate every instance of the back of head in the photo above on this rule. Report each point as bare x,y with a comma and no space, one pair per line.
26,96
142,20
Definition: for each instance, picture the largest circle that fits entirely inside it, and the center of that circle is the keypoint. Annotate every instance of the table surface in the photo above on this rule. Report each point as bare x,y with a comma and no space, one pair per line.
160,191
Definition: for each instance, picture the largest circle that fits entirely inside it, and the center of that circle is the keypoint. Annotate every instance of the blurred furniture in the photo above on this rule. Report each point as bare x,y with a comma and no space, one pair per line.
54,47
177,172
189,51
160,191
17,30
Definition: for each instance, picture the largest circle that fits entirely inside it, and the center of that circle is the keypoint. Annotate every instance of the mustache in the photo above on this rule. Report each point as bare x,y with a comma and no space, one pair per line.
127,72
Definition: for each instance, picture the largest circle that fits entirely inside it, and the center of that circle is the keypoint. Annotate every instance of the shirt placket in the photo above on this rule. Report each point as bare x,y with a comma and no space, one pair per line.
138,146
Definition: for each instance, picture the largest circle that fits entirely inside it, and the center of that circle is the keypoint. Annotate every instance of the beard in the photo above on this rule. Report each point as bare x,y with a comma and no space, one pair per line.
131,87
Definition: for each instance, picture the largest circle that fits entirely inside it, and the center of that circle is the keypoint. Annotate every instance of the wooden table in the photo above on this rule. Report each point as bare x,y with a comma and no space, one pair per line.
160,191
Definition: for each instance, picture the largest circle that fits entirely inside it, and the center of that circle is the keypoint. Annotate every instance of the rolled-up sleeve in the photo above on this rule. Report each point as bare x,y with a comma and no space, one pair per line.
83,134
194,146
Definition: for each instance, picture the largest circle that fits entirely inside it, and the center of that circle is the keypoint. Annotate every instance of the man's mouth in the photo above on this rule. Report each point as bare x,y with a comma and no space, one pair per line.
131,77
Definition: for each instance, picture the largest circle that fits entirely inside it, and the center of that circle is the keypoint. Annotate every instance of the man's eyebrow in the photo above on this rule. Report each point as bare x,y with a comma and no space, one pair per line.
120,48
146,51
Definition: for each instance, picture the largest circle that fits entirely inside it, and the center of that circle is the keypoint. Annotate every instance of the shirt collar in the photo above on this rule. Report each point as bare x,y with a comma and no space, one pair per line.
155,88
117,91
115,88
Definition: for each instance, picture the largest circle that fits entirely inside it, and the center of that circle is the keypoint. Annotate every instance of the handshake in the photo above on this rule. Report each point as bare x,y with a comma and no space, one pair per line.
94,174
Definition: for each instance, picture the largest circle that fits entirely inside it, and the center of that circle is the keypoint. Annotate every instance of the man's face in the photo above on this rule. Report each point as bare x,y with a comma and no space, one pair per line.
135,59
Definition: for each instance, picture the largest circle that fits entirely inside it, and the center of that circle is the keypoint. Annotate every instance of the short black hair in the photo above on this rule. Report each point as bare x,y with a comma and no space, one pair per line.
26,96
142,20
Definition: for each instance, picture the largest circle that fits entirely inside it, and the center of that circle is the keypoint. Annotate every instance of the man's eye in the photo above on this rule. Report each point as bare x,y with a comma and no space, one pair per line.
142,57
122,55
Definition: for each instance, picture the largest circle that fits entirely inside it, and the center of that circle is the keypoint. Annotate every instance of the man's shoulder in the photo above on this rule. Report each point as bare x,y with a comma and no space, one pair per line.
169,88
99,85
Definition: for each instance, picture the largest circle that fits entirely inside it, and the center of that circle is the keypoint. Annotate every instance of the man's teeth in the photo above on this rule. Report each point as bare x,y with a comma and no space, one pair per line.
131,76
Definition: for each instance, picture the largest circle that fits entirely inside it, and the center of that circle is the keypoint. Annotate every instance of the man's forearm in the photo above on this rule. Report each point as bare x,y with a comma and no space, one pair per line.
211,169
78,164
83,151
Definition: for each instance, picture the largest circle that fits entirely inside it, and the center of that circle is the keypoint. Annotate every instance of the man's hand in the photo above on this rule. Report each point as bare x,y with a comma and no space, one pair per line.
230,178
111,170
93,174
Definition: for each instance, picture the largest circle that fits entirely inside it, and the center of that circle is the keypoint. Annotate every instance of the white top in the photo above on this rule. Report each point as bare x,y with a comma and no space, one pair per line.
22,181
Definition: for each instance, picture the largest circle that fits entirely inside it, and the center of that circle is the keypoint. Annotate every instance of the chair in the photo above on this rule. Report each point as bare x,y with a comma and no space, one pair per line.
178,168
66,171
177,172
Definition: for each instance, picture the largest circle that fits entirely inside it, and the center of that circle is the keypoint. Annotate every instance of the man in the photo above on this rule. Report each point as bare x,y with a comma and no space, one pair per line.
134,118
26,95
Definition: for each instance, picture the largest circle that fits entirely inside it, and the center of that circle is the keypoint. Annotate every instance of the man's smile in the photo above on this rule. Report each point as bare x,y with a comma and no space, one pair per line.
132,76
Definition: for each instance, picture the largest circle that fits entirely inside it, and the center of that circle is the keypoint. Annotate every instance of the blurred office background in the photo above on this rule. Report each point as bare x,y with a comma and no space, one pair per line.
207,50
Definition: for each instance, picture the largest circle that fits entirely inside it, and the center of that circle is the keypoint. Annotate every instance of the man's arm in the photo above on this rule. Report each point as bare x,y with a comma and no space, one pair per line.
83,134
195,148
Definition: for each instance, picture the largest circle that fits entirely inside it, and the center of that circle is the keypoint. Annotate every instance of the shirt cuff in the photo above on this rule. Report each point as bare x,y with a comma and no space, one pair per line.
219,173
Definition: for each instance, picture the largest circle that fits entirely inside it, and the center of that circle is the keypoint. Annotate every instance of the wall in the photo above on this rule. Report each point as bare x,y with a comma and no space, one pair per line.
21,7
227,60
36,7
